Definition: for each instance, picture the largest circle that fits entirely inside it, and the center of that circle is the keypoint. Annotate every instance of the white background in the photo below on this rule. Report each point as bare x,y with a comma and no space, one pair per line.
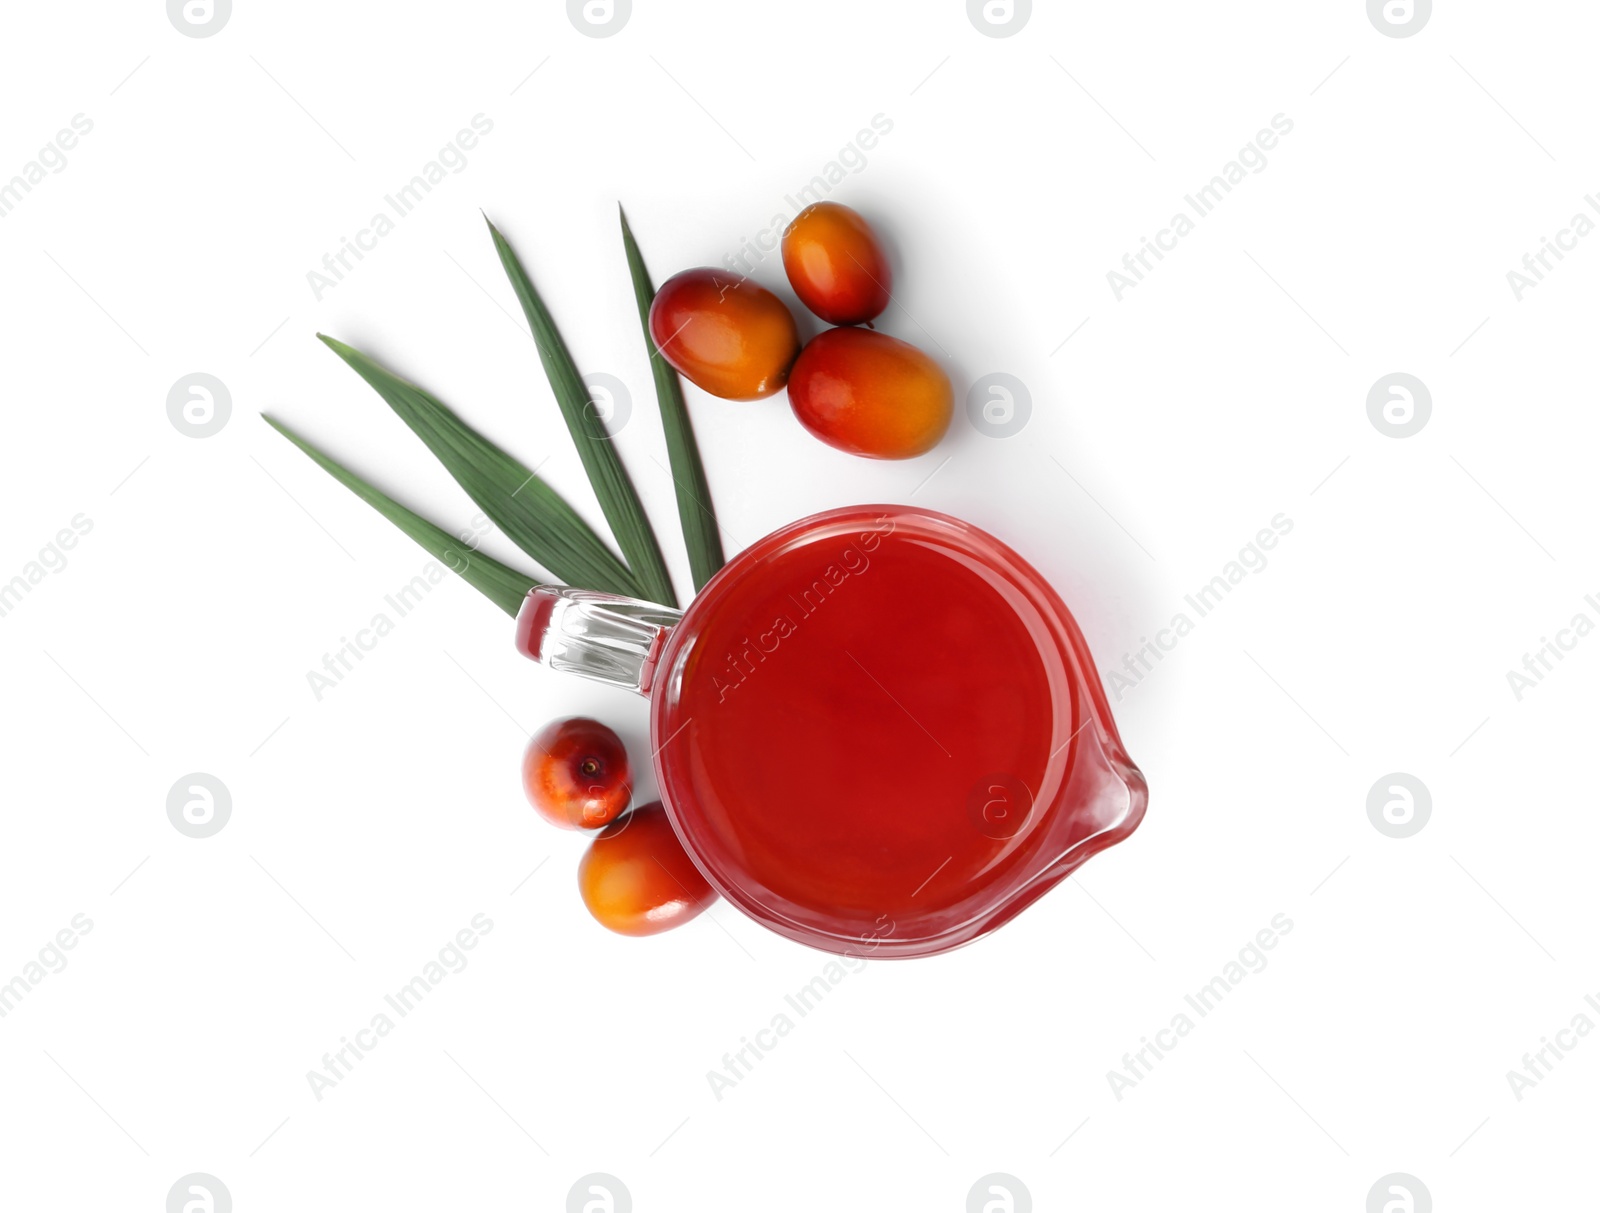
1229,387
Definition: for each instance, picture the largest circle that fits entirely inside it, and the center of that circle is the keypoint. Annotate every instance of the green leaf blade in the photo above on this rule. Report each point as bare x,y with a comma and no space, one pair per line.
532,514
695,511
619,501
499,583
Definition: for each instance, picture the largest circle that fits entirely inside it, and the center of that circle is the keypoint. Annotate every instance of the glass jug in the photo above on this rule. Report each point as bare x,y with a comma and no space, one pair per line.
877,730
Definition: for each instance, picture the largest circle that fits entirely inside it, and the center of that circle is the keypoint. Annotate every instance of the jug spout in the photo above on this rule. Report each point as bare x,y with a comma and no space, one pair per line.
604,637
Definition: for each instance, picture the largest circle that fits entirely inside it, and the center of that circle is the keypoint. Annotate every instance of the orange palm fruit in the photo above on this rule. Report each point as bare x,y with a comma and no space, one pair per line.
835,264
636,878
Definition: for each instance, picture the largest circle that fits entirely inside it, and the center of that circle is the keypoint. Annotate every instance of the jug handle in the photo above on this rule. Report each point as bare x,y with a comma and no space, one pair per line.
604,637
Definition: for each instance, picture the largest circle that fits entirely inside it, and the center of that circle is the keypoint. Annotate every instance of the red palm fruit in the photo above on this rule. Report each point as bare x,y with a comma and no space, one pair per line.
724,333
870,394
576,774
